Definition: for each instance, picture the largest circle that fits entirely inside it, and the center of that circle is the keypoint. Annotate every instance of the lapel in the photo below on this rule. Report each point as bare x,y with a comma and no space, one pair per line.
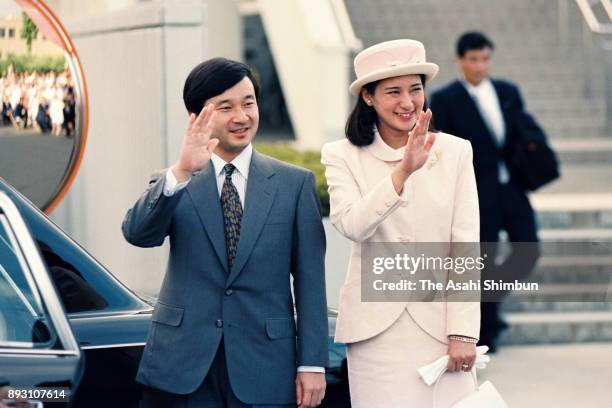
260,192
204,194
505,103
471,110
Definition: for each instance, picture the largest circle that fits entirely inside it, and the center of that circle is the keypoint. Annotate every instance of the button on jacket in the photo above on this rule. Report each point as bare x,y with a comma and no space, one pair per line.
250,305
439,203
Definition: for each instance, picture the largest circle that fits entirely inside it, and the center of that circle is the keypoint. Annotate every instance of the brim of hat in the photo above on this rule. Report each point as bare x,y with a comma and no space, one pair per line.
429,69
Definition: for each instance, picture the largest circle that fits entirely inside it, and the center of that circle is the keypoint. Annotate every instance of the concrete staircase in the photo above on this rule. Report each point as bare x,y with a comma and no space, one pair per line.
575,303
541,46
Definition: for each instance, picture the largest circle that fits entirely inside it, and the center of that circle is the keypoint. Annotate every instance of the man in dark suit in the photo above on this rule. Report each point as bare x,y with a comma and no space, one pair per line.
6,111
43,119
482,110
20,113
240,224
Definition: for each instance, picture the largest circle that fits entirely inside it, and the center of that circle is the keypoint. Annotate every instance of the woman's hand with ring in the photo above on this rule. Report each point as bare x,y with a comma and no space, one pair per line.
460,353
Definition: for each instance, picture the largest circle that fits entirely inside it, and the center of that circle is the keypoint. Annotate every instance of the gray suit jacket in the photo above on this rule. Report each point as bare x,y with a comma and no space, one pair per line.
251,306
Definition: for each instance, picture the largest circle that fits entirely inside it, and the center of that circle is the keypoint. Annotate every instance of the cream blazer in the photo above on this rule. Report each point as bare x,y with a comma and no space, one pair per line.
439,203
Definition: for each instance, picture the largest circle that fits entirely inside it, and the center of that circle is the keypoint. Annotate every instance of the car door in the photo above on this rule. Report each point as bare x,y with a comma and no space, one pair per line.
39,356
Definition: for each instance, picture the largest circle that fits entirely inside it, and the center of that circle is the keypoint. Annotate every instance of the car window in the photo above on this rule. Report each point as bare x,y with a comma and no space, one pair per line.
76,293
22,319
83,284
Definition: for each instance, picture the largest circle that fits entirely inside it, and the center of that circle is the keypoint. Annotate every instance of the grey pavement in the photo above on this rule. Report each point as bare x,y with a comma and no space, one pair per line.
560,376
32,162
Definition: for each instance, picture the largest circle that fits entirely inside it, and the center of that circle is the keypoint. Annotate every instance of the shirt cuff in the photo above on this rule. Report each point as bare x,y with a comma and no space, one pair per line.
171,185
311,369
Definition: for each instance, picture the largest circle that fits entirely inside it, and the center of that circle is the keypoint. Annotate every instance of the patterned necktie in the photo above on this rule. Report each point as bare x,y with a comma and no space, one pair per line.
232,214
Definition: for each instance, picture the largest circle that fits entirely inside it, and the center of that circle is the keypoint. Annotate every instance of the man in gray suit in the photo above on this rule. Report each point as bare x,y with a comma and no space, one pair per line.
223,333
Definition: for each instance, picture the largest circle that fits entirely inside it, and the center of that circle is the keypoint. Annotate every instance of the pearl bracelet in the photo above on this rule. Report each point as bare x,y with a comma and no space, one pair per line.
463,339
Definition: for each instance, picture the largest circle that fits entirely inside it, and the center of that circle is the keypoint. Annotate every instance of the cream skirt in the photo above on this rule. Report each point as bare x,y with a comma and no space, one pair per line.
383,369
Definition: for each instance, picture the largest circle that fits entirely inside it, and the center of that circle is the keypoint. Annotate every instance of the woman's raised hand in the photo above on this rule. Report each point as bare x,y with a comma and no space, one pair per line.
417,151
419,144
197,145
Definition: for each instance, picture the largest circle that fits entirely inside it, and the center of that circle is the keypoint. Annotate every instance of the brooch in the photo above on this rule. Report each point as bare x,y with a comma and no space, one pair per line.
435,158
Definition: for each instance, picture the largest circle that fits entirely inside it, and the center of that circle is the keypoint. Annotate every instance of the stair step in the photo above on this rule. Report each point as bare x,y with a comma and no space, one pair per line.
512,306
573,211
569,123
586,235
580,237
559,242
559,293
561,116
575,242
583,144
554,110
584,178
571,270
580,151
543,103
556,132
572,202
554,327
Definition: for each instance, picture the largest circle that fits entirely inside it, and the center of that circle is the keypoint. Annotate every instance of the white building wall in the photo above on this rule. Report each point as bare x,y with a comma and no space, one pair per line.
136,56
313,64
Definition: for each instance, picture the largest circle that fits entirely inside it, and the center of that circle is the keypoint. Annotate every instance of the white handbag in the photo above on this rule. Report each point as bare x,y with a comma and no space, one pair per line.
484,395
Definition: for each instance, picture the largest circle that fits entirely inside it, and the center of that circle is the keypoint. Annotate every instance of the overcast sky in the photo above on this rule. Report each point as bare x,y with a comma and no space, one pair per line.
8,7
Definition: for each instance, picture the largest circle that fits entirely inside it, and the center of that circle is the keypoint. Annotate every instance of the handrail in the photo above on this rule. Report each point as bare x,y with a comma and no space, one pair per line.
591,19
607,4
345,26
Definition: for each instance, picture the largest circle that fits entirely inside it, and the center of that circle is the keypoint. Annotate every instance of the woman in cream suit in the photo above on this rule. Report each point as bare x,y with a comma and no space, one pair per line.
394,180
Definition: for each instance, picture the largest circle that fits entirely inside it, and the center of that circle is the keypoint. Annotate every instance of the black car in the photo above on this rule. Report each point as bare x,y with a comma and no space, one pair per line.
69,330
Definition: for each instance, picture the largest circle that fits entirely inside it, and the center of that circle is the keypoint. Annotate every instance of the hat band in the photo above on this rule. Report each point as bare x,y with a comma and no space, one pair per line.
383,60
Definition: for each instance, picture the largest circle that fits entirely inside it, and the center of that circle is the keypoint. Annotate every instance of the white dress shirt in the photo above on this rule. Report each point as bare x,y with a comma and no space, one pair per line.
239,178
486,100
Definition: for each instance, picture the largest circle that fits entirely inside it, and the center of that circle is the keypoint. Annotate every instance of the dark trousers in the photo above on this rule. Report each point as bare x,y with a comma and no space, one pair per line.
214,392
515,216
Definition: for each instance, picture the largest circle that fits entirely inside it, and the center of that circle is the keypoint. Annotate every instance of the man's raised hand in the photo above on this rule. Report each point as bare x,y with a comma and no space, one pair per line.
197,144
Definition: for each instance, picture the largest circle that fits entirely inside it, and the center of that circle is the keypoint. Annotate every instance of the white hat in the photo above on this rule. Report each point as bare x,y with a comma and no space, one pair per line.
390,59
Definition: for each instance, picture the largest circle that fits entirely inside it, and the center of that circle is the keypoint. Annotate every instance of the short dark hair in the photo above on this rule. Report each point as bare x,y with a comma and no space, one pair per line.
211,78
359,128
472,40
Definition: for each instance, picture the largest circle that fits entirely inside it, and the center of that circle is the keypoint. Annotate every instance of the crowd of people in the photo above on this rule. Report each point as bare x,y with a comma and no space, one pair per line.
42,101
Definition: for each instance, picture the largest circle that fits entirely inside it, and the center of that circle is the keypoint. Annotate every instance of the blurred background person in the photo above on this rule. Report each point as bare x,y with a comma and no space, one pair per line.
481,110
69,114
56,109
6,110
43,119
33,103
20,113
